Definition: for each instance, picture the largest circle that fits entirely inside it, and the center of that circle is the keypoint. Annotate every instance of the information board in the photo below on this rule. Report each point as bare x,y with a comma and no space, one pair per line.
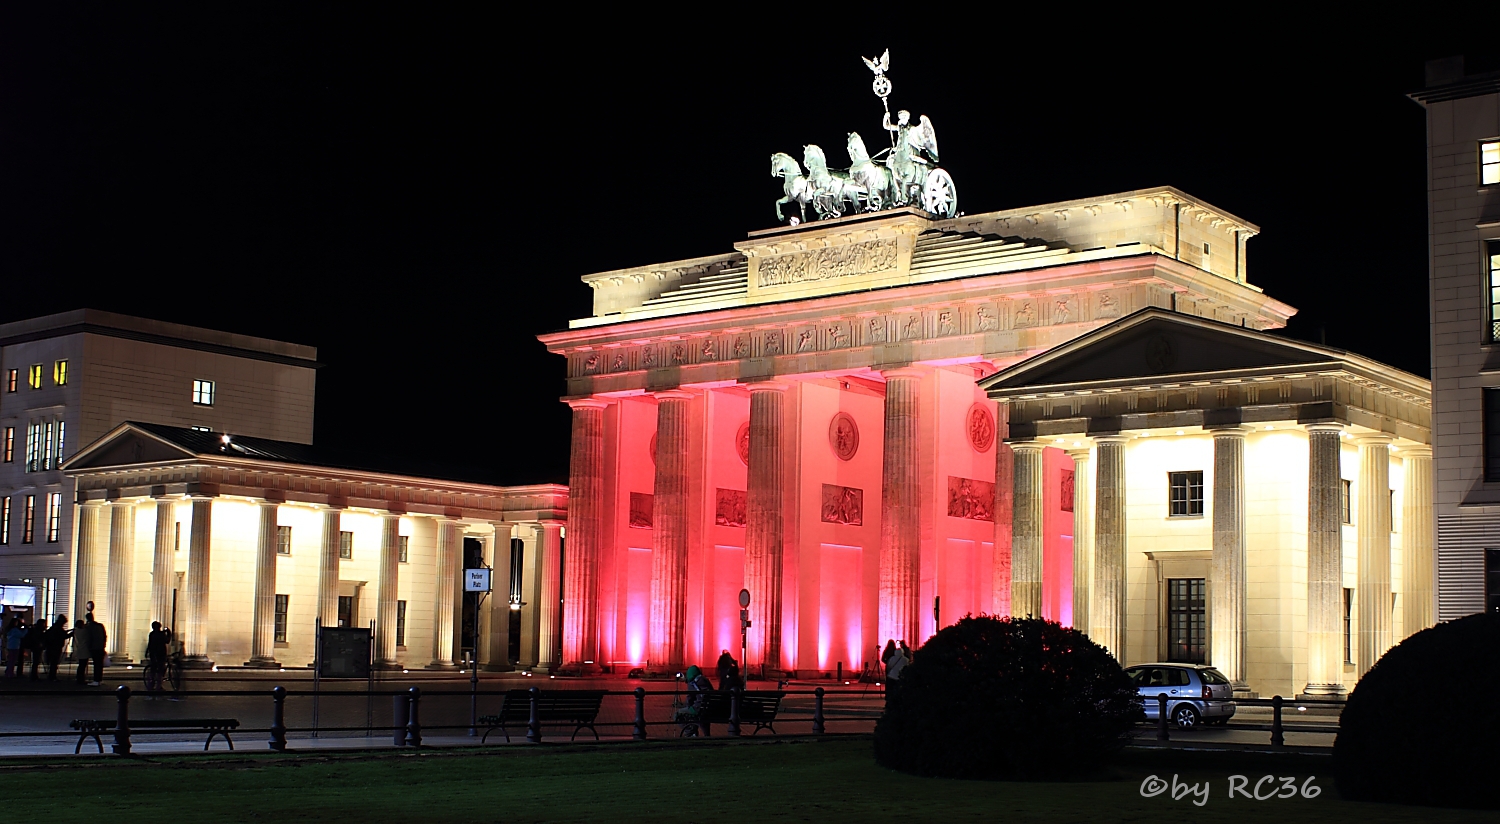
345,653
476,580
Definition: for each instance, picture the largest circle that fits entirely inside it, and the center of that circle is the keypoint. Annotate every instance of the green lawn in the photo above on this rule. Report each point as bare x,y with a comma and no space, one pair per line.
708,782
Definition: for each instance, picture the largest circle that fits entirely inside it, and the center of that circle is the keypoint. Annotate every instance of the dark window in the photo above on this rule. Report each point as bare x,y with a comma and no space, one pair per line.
1492,580
1492,434
400,623
517,565
346,610
1186,493
283,541
403,548
346,545
177,536
1348,626
1390,510
1186,619
1212,677
283,603
1346,514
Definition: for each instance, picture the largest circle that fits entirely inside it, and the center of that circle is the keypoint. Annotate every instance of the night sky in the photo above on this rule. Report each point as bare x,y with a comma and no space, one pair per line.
417,197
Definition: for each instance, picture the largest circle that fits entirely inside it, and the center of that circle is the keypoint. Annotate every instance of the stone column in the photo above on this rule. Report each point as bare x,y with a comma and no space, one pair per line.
89,549
1416,540
669,523
328,567
1026,530
1083,538
494,628
1374,528
585,537
1005,475
1227,581
764,524
263,621
901,511
1325,563
450,540
121,576
549,598
163,574
1107,601
200,549
386,591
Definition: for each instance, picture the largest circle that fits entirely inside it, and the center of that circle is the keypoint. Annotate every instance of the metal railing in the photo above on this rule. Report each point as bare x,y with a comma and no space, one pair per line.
1277,727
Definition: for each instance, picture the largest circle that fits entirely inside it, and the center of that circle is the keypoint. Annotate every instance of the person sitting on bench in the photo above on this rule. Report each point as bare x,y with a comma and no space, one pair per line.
698,687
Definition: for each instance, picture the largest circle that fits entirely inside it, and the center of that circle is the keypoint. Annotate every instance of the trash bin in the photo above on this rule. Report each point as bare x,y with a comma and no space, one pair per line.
400,715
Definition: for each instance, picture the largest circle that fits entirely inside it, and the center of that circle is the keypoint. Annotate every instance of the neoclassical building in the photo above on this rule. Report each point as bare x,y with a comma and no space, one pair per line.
243,545
800,417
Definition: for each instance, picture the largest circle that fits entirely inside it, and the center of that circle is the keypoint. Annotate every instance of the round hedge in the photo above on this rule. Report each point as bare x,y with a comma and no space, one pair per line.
1006,698
1421,726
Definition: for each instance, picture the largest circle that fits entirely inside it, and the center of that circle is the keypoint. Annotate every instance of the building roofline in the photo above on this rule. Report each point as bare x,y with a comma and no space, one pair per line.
1473,85
128,327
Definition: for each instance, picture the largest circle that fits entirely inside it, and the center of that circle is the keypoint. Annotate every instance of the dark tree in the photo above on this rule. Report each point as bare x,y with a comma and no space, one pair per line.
1006,698
1421,726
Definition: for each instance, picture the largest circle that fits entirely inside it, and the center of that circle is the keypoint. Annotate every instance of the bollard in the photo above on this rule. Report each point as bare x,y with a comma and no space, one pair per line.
400,716
640,714
278,719
413,726
122,721
734,711
534,726
818,710
1161,718
1277,739
841,672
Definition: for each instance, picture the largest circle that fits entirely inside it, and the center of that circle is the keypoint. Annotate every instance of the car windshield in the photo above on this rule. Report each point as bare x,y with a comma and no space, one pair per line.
1212,676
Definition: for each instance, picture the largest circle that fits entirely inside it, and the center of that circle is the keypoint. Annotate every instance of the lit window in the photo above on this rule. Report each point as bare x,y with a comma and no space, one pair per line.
34,376
60,373
1185,493
283,604
403,547
47,429
1489,162
33,447
10,380
1346,513
28,519
400,623
346,545
57,453
54,516
200,429
1494,267
283,541
203,393
10,444
5,521
1348,626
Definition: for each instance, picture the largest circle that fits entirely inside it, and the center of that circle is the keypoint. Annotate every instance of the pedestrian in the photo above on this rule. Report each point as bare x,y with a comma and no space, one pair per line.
729,671
99,646
52,644
890,649
699,688
15,633
893,667
31,645
81,649
905,650
156,655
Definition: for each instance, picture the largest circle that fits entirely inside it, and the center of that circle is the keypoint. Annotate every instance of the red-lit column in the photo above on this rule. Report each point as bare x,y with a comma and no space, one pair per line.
765,524
585,537
900,511
1005,462
669,527
1028,535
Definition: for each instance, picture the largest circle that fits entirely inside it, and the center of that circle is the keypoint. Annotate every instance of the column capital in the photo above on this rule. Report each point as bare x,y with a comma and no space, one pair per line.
587,403
1374,440
672,395
1324,427
1078,453
268,504
1234,431
1026,445
1421,450
767,386
1120,438
903,372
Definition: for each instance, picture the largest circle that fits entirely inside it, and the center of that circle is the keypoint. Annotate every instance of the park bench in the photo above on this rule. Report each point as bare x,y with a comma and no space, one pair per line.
91,728
576,707
756,708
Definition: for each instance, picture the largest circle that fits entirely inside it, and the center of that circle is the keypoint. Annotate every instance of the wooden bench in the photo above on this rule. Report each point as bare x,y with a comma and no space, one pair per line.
91,728
576,707
756,708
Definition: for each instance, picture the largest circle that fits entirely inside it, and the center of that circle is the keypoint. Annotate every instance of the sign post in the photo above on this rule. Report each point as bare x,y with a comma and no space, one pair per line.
744,631
475,580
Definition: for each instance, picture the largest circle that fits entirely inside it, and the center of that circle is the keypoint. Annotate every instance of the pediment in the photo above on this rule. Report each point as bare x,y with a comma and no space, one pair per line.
126,446
1156,343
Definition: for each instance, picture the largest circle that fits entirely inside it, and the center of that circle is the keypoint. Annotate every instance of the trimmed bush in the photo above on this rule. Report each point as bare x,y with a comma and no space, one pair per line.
1421,726
1006,698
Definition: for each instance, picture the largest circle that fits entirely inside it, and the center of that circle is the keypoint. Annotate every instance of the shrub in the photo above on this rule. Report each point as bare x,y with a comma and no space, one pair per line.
1421,726
1006,697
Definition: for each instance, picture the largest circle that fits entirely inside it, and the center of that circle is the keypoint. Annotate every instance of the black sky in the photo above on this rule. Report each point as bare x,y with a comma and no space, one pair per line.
417,196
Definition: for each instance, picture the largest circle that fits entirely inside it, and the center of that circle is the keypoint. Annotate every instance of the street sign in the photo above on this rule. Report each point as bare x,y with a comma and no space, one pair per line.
744,597
476,580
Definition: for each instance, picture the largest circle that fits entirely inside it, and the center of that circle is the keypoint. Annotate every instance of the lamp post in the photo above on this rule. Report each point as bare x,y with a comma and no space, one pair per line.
744,632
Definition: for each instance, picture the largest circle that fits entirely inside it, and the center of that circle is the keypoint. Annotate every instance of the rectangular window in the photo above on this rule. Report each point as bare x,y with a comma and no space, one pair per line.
28,519
1346,490
1390,510
47,430
1489,162
57,446
54,516
5,521
10,380
1492,580
1491,434
10,444
177,536
403,548
283,541
1187,619
517,570
400,623
346,545
1348,626
1185,493
33,447
34,376
1492,265
203,393
283,604
346,610
60,373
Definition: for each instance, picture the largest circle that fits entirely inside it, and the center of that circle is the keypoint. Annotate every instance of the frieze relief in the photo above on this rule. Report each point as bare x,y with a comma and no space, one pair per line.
876,327
947,322
1025,314
867,258
1108,305
986,318
843,505
912,327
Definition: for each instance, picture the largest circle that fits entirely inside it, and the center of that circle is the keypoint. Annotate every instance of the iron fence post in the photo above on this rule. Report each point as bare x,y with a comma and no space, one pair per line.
278,719
818,710
122,721
1161,718
734,710
413,725
1277,739
534,726
640,714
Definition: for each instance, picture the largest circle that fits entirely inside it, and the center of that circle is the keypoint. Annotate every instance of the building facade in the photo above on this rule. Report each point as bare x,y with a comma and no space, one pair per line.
67,379
1463,209
800,418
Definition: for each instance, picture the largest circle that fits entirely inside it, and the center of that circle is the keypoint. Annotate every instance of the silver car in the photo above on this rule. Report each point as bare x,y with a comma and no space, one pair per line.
1195,693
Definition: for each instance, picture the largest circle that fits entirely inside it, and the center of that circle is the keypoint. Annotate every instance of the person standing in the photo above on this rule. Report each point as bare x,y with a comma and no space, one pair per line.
14,634
81,649
729,671
156,655
31,645
98,644
52,644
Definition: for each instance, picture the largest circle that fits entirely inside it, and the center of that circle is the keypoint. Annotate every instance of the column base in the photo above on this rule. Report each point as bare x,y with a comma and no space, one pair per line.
197,662
506,667
263,663
386,666
442,665
1245,693
1335,692
117,660
581,668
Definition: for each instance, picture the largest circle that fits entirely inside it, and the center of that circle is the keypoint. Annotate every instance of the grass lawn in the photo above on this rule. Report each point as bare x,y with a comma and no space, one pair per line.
708,782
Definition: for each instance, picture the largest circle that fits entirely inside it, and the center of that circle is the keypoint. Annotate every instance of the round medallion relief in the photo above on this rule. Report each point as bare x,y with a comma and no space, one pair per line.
742,443
652,449
981,427
843,436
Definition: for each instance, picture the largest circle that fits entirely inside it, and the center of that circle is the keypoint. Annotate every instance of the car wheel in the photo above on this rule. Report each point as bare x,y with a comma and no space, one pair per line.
1185,717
